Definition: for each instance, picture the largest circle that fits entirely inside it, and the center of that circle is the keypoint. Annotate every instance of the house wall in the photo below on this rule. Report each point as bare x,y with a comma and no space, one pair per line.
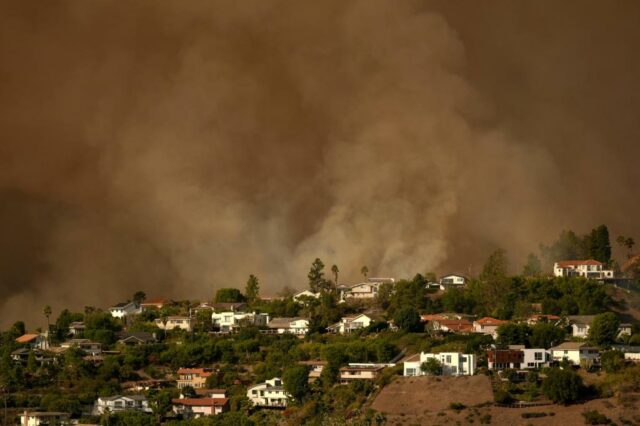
535,358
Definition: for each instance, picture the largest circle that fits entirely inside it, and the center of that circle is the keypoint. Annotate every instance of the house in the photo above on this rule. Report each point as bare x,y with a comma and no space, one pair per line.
271,393
451,325
117,403
289,325
22,356
361,371
193,408
136,338
625,329
44,418
575,352
86,345
76,329
580,325
631,353
124,309
498,359
351,324
452,281
315,367
154,304
537,318
34,340
208,393
453,364
488,325
305,294
229,306
365,290
536,358
194,377
229,321
174,322
591,269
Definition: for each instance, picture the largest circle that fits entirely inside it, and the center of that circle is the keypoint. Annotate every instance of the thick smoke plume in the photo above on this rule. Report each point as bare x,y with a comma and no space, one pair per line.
177,147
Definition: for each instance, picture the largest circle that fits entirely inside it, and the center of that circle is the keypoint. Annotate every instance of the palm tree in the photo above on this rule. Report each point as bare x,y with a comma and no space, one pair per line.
364,271
47,313
335,271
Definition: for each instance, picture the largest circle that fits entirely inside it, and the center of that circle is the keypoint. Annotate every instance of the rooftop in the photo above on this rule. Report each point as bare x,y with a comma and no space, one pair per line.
567,263
201,402
26,338
571,346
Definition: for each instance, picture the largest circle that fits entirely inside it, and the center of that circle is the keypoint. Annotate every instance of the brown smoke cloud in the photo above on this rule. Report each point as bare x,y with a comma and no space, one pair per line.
178,147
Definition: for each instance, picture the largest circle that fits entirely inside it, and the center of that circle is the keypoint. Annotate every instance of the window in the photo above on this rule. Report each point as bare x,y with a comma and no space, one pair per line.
531,364
448,359
538,356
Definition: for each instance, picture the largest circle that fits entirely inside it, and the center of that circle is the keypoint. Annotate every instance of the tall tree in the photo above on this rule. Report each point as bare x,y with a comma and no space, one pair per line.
139,297
296,382
316,276
626,242
494,283
599,244
252,289
533,268
335,271
604,329
47,313
364,271
228,295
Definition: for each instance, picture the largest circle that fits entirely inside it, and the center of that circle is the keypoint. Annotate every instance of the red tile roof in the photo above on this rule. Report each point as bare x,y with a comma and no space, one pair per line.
26,338
432,317
567,263
210,391
204,372
490,321
201,402
550,317
456,325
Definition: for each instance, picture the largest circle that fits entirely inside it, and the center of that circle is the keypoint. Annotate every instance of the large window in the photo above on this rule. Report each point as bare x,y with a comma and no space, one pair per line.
538,356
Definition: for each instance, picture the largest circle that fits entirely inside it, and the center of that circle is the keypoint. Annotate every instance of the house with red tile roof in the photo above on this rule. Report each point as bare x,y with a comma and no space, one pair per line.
488,325
34,340
192,408
591,269
194,377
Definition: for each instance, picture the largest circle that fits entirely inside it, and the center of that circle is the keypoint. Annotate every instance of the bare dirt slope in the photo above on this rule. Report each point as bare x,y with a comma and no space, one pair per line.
418,395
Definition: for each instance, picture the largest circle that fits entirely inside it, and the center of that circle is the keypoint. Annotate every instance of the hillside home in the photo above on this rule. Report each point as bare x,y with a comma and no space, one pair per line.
136,338
580,325
174,322
34,340
22,356
351,324
575,352
591,269
230,321
299,326
154,304
625,329
536,358
305,294
361,371
499,359
86,345
365,290
193,408
631,353
229,306
452,281
194,377
271,393
117,403
76,329
124,309
488,325
537,318
44,418
208,393
451,325
453,364
315,367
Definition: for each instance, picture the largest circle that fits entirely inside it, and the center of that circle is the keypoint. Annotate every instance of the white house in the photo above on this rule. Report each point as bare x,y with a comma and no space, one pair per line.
173,322
34,340
124,309
193,408
76,328
591,269
86,345
117,403
231,320
289,325
536,358
452,281
365,290
576,352
453,364
271,393
315,367
305,293
488,325
350,324
37,418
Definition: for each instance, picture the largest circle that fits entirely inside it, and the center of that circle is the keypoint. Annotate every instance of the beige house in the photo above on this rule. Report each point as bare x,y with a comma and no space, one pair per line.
194,377
193,408
361,371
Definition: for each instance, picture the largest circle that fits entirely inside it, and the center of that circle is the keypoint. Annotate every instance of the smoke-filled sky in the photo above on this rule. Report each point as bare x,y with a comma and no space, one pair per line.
177,147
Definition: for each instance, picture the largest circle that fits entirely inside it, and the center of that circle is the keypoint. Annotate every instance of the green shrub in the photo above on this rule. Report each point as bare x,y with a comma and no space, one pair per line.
457,406
485,419
503,397
533,415
594,417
